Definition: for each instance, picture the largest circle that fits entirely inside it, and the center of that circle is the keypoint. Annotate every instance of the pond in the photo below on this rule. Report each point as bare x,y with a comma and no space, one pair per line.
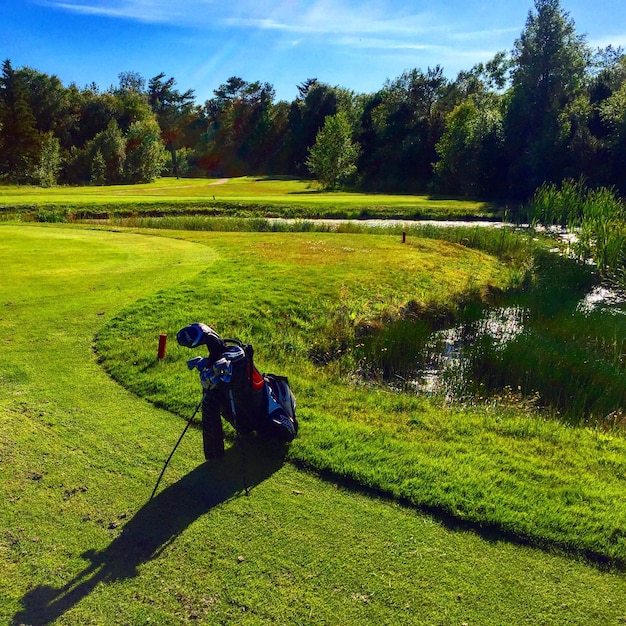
562,343
447,353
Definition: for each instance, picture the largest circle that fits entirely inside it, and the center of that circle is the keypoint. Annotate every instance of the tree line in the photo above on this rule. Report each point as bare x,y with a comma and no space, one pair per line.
548,110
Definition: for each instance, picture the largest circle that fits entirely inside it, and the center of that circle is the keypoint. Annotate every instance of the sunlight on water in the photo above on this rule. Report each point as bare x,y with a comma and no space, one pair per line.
446,365
606,298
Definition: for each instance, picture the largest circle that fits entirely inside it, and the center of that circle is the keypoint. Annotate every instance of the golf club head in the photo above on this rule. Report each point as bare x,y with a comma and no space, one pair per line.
199,334
198,362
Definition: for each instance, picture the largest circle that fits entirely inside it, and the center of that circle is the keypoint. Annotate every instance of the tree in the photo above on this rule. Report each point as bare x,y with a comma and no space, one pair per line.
98,169
19,140
132,81
401,125
92,113
608,72
47,172
145,153
133,100
606,119
482,80
306,117
174,113
239,121
305,87
613,114
470,150
107,154
275,146
333,156
48,100
548,74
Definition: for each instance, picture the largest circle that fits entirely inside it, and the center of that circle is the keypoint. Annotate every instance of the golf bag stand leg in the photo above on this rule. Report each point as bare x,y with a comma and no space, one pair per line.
169,458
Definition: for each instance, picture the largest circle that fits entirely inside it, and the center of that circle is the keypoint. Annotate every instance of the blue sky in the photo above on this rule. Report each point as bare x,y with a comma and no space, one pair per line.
201,43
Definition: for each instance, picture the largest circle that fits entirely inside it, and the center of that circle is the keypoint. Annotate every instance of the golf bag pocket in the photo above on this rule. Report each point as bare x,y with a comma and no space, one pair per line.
212,431
281,409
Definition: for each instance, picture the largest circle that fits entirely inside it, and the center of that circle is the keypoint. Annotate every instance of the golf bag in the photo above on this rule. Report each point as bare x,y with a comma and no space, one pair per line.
235,390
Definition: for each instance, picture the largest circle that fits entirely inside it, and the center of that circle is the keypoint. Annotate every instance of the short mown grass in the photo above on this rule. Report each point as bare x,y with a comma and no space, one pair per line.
79,454
301,300
243,197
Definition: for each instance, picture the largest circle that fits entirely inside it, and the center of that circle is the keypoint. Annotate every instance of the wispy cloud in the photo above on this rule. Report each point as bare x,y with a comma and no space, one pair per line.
618,40
481,35
340,19
433,52
293,16
372,43
385,25
151,11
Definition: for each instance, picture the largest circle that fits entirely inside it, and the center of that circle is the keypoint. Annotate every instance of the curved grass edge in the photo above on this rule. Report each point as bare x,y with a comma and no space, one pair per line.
358,448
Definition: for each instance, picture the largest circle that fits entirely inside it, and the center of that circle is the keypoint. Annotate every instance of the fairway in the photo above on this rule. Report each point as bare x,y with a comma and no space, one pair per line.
79,455
264,196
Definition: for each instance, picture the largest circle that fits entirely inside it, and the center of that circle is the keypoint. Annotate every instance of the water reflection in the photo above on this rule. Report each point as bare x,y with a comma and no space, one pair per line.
449,356
605,298
445,364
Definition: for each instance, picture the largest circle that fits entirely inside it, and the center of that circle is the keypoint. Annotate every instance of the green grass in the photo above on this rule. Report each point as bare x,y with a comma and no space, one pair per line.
80,455
302,299
246,196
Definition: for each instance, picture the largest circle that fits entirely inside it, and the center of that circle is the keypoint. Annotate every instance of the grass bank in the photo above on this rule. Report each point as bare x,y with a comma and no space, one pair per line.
238,197
79,544
302,299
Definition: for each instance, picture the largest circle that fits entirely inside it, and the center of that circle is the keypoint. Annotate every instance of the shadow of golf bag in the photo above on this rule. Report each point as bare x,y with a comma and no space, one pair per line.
236,390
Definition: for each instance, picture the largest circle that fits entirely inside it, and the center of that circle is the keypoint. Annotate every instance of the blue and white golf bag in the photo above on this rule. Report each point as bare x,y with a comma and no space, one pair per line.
236,390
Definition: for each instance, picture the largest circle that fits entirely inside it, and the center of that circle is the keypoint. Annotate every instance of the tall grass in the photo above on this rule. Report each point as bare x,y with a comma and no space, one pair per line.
597,216
603,231
573,360
559,204
569,360
562,363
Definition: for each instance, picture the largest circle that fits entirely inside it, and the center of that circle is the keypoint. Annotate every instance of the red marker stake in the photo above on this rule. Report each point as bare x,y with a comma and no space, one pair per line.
162,346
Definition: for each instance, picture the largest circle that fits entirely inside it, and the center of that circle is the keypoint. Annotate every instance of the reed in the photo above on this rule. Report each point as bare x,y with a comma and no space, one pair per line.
598,216
536,340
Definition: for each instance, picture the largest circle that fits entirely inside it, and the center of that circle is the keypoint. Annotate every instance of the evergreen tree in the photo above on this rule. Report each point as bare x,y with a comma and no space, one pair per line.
549,64
19,139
